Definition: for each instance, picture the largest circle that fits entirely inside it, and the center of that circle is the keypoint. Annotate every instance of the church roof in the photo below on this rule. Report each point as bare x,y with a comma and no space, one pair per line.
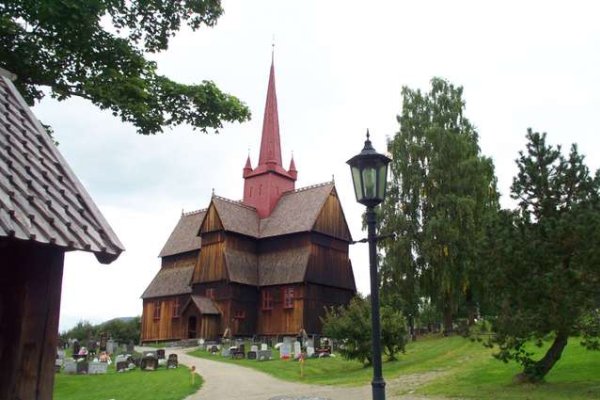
296,211
170,282
237,217
184,237
41,199
242,266
283,267
203,304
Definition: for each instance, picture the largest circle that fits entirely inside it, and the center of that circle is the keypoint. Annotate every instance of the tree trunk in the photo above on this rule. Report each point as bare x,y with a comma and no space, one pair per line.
448,329
538,370
471,307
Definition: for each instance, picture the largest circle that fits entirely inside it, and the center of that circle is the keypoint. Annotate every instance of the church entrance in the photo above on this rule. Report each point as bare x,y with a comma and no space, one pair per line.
192,327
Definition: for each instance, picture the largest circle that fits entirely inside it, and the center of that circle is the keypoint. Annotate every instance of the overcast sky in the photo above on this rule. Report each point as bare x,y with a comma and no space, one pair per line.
340,66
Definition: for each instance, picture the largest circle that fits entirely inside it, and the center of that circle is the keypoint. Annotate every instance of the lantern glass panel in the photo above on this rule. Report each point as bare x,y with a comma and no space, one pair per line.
356,179
370,182
381,186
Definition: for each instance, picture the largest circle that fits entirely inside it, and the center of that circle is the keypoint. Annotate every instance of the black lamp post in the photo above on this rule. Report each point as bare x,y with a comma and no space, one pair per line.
369,175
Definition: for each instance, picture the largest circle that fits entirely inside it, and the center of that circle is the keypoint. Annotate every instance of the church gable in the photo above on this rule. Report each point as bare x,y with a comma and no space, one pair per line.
212,221
331,220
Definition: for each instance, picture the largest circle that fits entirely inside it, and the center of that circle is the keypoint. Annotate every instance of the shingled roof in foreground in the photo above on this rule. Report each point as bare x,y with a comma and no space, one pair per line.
41,199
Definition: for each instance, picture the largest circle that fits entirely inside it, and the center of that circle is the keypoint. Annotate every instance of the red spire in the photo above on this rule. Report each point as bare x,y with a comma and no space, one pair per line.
247,167
270,147
292,170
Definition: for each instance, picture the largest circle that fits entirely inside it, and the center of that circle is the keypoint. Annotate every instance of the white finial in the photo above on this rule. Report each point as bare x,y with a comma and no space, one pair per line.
273,49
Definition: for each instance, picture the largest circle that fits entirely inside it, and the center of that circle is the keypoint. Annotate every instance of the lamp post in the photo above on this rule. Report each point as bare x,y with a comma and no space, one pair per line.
369,175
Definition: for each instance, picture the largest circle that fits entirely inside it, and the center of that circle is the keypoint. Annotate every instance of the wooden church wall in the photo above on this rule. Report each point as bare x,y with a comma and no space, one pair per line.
328,263
242,305
281,320
211,263
166,327
331,220
316,299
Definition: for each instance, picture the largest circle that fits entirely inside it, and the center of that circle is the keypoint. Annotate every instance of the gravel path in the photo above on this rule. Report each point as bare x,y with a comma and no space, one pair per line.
223,381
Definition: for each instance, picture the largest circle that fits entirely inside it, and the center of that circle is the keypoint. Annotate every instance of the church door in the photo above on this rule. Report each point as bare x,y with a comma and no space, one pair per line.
192,327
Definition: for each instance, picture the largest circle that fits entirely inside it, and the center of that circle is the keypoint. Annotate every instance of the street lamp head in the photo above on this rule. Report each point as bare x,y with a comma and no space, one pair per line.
369,175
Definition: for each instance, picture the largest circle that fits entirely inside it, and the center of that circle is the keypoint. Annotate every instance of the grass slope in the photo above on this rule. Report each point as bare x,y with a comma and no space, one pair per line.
450,367
162,384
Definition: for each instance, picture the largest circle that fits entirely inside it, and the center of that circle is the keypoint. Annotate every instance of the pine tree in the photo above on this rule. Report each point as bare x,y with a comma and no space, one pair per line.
545,273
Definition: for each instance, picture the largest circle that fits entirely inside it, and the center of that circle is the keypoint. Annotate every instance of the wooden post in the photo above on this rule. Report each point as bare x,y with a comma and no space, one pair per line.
30,289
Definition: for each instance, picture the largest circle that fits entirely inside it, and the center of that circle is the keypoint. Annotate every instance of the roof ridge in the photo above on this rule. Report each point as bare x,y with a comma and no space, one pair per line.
186,213
236,202
302,189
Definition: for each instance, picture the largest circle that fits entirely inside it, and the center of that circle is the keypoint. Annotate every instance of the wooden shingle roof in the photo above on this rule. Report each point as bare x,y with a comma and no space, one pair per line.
41,199
237,217
283,267
203,304
184,237
296,211
170,282
242,266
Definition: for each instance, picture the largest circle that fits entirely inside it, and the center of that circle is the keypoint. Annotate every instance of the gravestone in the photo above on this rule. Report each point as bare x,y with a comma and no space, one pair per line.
97,368
149,363
172,362
150,354
130,347
284,350
103,341
310,351
264,355
254,348
111,346
92,347
70,367
160,354
297,349
60,354
121,358
76,347
82,367
252,355
264,347
122,366
225,352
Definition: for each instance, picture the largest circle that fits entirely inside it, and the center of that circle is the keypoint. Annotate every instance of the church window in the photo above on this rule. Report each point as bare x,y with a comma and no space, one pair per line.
288,297
210,293
157,309
176,308
267,300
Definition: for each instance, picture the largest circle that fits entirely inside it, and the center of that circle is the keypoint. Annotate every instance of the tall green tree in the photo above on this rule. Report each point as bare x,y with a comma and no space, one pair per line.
440,191
96,50
546,274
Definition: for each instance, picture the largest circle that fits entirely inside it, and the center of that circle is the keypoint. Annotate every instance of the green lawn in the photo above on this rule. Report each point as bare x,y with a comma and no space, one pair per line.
450,367
162,384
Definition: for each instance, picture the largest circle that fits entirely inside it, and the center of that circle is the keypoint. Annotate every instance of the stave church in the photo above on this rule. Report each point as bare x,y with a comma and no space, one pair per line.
266,265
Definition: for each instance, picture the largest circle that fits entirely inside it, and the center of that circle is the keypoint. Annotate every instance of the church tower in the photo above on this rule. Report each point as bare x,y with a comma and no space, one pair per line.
264,185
